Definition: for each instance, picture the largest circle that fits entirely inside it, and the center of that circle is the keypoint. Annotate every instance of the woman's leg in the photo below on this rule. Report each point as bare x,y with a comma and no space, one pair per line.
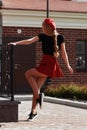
40,82
32,75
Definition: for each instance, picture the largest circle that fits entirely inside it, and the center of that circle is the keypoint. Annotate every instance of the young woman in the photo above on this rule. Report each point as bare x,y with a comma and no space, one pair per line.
52,44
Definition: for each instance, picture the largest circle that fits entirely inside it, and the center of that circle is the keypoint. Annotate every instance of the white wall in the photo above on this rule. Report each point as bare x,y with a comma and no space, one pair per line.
21,18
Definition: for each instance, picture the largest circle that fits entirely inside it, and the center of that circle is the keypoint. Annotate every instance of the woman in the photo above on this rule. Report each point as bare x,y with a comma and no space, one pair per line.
52,44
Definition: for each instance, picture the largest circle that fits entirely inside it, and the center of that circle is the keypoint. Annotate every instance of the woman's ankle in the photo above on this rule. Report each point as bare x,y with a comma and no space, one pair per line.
34,111
36,96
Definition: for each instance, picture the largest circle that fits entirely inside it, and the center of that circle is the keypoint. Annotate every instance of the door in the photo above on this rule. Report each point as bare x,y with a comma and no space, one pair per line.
24,59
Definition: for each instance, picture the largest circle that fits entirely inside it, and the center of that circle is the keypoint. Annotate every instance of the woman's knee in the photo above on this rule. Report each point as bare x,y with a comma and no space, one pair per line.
27,73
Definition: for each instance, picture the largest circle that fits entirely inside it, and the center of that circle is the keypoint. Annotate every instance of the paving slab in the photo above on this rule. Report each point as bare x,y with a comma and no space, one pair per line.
50,117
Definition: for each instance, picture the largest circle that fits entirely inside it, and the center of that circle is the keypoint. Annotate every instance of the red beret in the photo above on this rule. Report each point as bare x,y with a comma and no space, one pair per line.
50,22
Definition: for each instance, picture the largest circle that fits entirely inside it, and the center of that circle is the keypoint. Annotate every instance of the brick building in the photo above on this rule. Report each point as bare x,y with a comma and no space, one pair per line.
22,19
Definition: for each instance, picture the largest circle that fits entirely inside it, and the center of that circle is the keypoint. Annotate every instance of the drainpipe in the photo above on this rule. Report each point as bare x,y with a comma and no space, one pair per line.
0,3
47,8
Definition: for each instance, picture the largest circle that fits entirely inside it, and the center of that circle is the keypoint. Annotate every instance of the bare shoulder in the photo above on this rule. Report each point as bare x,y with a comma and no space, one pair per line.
33,39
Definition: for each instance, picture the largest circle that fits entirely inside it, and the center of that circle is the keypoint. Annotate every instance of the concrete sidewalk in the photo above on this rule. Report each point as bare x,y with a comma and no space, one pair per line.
51,117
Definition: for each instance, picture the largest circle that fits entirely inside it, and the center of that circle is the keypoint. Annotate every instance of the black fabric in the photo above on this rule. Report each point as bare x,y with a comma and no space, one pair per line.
48,43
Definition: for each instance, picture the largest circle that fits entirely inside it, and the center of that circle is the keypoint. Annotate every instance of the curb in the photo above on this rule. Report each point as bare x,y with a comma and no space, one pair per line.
71,103
66,102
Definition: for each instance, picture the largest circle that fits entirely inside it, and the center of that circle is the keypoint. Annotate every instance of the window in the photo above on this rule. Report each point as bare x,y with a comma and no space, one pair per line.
81,55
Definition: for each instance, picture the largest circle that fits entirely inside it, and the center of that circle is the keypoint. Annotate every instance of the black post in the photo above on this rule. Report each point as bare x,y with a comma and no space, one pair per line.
11,73
47,8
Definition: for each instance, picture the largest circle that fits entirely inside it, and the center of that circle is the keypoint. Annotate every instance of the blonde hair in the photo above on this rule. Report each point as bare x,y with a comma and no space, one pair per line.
56,47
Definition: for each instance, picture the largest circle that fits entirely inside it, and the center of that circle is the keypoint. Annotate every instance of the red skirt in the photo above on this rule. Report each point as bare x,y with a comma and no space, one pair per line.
50,67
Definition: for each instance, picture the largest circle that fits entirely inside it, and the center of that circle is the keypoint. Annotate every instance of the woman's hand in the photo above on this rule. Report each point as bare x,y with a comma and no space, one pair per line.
12,43
70,69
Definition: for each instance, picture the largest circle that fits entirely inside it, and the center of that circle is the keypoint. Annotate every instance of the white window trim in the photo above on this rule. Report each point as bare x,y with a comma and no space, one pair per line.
21,18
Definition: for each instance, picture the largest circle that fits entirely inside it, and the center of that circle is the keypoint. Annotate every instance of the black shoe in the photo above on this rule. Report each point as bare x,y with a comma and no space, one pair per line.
40,99
32,116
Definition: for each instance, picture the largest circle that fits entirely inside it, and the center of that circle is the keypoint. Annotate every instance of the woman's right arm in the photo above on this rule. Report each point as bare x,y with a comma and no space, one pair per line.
25,42
65,57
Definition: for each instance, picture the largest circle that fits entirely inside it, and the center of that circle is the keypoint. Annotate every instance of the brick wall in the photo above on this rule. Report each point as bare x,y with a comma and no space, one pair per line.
71,36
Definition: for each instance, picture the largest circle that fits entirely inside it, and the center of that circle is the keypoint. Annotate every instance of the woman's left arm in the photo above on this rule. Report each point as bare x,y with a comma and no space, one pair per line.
65,57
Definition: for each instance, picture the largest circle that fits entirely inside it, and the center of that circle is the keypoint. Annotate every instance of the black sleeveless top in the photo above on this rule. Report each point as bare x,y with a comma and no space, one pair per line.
48,43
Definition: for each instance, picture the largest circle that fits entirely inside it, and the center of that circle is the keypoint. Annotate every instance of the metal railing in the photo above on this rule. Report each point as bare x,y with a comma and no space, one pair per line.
7,72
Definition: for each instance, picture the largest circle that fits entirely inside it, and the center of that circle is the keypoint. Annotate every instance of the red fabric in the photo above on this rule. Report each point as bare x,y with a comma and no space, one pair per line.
49,66
50,22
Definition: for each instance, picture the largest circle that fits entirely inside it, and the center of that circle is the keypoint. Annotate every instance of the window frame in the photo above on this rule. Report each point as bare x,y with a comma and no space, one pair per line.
84,55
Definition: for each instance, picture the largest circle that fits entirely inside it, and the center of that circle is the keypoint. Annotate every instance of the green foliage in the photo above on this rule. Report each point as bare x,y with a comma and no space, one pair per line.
67,91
